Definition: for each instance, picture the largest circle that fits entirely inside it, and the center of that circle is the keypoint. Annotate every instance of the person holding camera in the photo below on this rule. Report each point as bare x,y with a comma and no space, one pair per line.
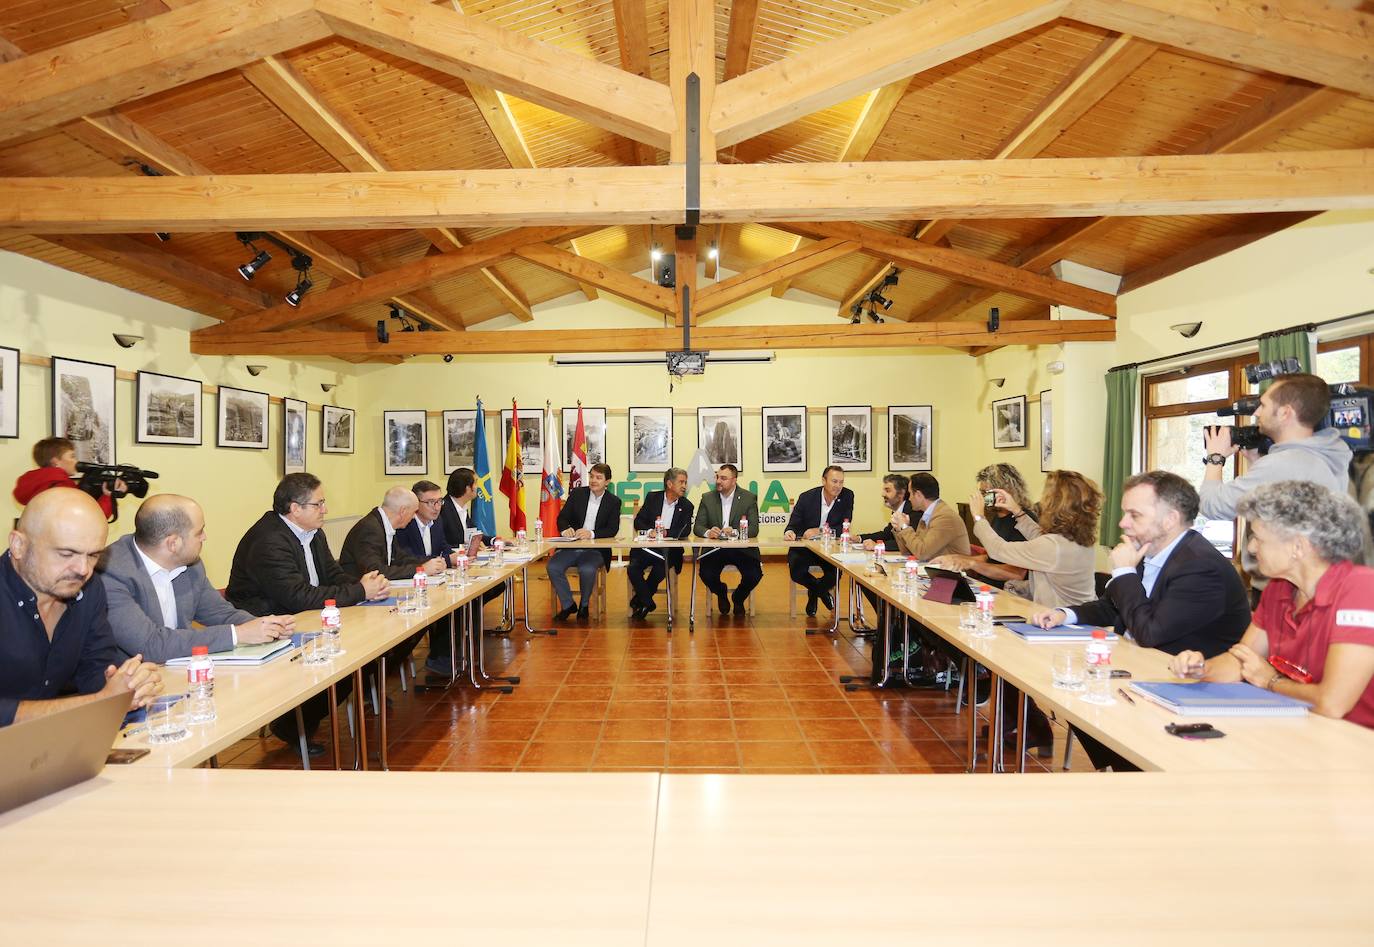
1289,413
55,458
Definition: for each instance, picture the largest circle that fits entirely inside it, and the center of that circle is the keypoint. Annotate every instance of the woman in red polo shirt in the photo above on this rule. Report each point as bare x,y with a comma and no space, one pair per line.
1312,636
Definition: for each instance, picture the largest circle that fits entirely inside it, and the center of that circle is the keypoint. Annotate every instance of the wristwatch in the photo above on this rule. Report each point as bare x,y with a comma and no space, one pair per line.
1215,458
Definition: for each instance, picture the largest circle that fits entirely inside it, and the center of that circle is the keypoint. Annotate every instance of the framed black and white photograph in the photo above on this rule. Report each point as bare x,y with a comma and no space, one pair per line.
1046,431
849,436
720,432
336,430
593,429
293,416
83,407
404,442
9,392
1009,422
242,418
784,439
460,439
168,409
651,439
531,440
910,437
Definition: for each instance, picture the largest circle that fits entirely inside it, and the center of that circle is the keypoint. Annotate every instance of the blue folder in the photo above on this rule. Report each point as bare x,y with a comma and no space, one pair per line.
1210,699
1031,632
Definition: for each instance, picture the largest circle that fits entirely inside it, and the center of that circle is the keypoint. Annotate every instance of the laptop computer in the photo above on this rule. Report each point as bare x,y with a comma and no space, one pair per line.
946,587
48,754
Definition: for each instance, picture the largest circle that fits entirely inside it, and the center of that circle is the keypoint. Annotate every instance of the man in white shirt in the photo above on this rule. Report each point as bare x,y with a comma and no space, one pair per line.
157,589
371,546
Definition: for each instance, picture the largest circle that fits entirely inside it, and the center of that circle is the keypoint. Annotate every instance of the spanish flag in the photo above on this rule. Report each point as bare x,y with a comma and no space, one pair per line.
512,478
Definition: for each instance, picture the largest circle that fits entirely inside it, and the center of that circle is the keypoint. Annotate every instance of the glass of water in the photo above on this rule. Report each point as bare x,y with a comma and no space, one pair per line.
406,602
167,719
1099,685
968,617
316,648
1067,669
983,625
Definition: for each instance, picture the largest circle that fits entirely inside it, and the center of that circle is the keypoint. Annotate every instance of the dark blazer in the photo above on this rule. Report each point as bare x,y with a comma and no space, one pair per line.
885,535
1197,604
679,528
364,550
453,525
607,523
806,514
136,614
408,541
710,516
268,576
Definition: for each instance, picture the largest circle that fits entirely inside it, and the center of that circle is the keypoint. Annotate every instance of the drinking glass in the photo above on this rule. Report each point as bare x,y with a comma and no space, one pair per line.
1067,669
1099,686
984,627
167,719
968,617
406,602
316,648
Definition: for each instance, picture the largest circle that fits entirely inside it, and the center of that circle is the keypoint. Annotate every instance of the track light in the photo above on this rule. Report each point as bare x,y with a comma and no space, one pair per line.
655,254
995,322
878,299
873,314
713,253
303,286
249,269
856,314
256,370
891,278
383,336
447,359
127,341
326,387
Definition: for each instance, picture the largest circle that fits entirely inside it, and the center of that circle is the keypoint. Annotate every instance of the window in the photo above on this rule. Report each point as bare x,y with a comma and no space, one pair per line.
1349,360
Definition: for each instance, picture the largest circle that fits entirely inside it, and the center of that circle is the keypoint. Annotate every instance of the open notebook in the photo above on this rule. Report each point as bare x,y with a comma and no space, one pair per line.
1209,699
244,655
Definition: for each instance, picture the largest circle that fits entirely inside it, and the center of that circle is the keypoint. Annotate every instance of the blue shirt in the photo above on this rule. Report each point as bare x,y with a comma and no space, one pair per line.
34,668
930,511
1153,566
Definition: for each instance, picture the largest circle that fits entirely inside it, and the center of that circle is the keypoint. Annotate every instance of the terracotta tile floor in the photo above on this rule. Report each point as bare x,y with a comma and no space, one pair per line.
751,695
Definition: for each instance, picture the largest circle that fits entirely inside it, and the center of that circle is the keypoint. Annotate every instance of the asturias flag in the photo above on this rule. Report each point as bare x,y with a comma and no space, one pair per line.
512,478
551,484
580,468
483,510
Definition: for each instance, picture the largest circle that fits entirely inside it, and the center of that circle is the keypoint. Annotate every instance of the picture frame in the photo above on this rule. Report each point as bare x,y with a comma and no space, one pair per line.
1046,430
849,436
1009,422
9,392
83,407
593,428
531,441
651,439
243,419
338,426
460,439
405,442
784,438
167,409
720,432
910,437
294,423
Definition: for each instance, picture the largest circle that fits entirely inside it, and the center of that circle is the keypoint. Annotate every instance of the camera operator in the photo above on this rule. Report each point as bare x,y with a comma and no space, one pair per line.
55,458
1289,413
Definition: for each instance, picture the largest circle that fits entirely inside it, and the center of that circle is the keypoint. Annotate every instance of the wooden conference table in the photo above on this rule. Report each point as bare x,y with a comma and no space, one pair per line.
613,859
1311,742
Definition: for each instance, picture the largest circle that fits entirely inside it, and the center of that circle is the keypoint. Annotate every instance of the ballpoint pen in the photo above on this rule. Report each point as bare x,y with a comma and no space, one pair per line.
1123,693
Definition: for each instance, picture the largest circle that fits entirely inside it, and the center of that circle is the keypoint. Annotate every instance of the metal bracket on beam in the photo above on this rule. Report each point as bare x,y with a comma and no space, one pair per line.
692,217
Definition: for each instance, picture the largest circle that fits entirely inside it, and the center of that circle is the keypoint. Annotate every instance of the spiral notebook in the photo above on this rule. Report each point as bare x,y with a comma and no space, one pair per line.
1209,699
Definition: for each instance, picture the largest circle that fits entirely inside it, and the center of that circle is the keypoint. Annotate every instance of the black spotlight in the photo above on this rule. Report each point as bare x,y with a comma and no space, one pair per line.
994,319
878,299
873,314
447,359
250,268
303,286
891,278
856,314
383,336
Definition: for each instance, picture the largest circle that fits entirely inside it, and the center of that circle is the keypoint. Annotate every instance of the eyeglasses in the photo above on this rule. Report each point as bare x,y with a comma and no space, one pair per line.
319,503
1294,672
438,501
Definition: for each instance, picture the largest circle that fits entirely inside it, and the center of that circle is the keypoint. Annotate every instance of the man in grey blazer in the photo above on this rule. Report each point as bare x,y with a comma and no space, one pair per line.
156,587
718,517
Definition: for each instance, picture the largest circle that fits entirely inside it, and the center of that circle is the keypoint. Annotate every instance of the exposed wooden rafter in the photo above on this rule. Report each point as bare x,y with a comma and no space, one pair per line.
760,278
616,282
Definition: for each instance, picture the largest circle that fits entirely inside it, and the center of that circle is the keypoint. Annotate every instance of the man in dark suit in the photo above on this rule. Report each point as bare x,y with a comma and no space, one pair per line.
894,498
157,592
283,566
1170,588
718,518
370,545
454,511
647,569
831,503
591,512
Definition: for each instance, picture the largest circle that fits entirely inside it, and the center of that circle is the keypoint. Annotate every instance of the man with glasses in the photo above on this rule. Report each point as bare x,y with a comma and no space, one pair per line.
371,544
283,566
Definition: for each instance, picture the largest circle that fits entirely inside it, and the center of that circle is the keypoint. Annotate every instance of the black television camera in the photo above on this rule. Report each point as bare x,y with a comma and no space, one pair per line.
1350,414
96,477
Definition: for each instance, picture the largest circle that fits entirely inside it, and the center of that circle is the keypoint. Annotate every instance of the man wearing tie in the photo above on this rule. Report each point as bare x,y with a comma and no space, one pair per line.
718,518
592,512
831,503
647,569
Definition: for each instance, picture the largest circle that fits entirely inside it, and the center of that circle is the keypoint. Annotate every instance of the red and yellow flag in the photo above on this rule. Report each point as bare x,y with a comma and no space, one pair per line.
512,477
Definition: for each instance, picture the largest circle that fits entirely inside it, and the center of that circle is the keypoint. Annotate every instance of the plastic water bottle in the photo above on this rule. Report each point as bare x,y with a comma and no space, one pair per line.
1097,656
460,570
200,686
498,552
913,573
827,535
878,550
743,528
984,598
539,532
844,536
331,625
658,528
421,587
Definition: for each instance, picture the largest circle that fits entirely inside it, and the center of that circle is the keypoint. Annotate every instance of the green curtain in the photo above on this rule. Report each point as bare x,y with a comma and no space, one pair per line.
1295,343
1122,386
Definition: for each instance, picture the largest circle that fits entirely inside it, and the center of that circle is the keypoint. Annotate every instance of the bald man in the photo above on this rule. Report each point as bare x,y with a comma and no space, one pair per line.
54,636
156,587
370,545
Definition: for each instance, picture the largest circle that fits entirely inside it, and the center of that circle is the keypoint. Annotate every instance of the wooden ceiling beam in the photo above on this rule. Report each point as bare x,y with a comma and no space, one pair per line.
1319,42
739,43
1253,227
893,48
632,36
616,282
150,55
473,50
686,302
715,338
760,278
692,49
956,264
718,243
392,283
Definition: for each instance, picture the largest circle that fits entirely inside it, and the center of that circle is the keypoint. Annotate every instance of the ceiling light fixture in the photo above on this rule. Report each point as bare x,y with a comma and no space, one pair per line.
448,359
256,370
326,387
1187,329
127,341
